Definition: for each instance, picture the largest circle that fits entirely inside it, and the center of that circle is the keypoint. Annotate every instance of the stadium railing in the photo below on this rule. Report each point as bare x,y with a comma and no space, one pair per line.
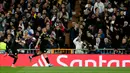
69,51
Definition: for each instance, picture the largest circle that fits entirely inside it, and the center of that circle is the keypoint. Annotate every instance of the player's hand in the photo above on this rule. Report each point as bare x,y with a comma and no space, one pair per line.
36,46
5,40
5,54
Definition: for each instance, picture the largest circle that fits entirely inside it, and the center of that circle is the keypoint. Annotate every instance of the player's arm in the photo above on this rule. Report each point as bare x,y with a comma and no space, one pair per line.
38,42
39,39
7,49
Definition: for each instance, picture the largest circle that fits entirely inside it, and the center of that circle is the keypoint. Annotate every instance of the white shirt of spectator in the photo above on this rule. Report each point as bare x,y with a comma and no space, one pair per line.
21,10
37,9
77,43
111,28
12,32
53,18
100,5
110,10
85,11
86,6
97,42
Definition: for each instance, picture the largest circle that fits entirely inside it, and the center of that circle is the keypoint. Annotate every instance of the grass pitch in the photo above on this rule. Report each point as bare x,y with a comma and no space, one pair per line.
63,70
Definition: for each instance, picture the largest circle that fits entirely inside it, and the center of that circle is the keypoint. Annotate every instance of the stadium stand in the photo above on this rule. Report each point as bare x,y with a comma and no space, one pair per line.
100,24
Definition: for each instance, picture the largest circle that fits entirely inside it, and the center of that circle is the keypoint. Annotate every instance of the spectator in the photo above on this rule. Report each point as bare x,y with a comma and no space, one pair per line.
52,44
26,38
116,42
99,5
30,30
59,36
122,7
88,9
1,7
124,43
100,34
1,36
126,28
64,17
100,19
73,33
101,44
97,42
1,22
107,43
110,9
106,3
20,43
78,44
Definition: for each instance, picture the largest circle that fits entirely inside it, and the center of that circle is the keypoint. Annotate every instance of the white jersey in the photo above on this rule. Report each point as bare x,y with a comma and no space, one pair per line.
78,45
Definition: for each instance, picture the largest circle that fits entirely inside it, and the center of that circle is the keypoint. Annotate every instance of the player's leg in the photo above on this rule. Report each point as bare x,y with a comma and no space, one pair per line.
15,56
11,55
38,53
47,59
35,55
7,51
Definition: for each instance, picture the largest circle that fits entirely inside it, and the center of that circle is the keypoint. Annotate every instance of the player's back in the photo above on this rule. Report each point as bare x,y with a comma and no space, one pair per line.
44,39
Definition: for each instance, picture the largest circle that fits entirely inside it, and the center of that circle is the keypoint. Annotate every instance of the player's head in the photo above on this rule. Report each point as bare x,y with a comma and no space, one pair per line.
44,30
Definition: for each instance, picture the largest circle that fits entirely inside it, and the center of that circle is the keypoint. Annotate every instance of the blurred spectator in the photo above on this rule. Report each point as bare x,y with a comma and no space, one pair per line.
104,23
52,44
110,19
107,43
99,5
30,31
64,17
124,43
1,22
60,38
1,7
73,33
110,9
1,36
97,42
78,44
116,42
106,3
100,34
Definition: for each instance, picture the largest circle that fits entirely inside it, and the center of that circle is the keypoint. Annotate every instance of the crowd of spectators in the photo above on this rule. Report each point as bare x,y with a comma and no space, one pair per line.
102,23
24,19
106,22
